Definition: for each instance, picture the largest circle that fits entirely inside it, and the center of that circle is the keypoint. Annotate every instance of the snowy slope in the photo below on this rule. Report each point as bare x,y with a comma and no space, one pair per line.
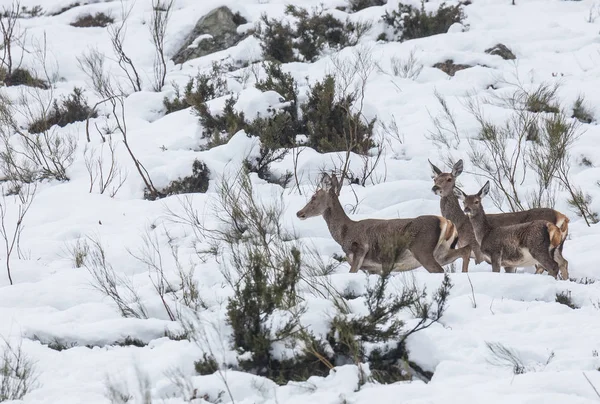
51,299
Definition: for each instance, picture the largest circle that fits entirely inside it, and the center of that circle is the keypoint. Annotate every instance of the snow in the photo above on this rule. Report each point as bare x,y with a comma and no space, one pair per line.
52,300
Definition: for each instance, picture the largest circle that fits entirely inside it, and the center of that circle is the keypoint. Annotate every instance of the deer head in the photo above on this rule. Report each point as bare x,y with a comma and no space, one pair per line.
472,203
444,182
328,189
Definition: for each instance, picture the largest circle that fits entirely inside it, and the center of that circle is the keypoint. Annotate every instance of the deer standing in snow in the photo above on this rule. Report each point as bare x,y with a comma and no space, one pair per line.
372,244
517,245
444,184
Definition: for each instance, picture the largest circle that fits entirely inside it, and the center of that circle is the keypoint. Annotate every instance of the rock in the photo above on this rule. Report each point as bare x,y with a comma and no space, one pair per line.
449,67
502,51
214,32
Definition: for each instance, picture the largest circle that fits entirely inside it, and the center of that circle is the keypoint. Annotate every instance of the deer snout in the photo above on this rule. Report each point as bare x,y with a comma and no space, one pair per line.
301,215
468,211
436,190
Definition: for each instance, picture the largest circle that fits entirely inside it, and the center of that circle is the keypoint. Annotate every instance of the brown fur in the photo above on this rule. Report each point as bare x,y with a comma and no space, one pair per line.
447,229
421,241
555,235
532,243
444,184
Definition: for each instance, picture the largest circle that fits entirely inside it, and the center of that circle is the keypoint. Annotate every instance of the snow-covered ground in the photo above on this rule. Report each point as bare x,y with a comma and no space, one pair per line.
554,41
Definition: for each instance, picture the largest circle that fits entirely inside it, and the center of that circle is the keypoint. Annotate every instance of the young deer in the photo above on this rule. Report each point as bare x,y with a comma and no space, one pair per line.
372,244
444,186
450,208
517,245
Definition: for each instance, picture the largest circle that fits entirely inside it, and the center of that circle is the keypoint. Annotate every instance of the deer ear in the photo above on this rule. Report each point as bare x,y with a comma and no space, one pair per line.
484,190
335,185
434,169
459,193
457,169
326,182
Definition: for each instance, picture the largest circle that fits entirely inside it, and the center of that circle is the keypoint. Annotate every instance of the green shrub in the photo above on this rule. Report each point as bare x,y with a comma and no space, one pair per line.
581,111
313,32
409,22
197,182
204,87
71,109
97,20
23,77
357,5
564,297
331,125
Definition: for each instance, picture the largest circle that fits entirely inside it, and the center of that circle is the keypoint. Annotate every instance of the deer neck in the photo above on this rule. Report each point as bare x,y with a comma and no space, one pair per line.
481,226
337,220
451,209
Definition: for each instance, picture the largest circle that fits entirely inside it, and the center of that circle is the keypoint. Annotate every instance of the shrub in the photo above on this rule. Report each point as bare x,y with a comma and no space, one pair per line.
313,33
409,22
381,331
18,373
73,108
205,87
581,111
564,297
331,125
23,77
357,5
195,183
97,20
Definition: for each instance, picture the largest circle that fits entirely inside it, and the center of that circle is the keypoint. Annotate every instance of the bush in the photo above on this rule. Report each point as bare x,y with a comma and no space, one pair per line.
205,87
357,5
564,297
409,22
23,77
313,33
331,125
97,20
195,183
581,111
73,108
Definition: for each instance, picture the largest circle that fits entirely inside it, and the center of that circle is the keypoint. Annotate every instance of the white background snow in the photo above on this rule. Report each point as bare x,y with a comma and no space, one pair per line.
553,41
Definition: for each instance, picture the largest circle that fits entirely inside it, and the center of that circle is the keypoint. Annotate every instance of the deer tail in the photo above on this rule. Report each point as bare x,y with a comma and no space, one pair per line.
555,235
448,232
562,222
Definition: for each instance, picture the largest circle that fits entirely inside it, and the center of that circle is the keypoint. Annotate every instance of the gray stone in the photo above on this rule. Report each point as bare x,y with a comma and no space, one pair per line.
221,24
502,51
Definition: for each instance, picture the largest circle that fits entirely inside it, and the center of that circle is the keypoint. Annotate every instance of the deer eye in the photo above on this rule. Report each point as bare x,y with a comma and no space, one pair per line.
476,202
449,179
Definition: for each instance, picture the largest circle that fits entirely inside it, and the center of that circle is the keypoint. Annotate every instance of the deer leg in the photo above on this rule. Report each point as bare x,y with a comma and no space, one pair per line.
563,264
479,257
358,257
539,269
509,270
466,258
496,262
428,261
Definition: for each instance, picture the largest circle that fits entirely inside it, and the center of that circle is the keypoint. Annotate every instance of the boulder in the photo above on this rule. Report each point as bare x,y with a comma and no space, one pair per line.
214,32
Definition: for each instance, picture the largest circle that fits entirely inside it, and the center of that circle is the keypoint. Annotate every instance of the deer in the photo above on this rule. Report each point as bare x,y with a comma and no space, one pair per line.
517,245
444,184
426,241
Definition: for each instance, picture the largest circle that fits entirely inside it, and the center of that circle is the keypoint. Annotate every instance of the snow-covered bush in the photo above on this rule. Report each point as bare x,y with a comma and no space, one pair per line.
196,182
305,40
99,19
409,22
73,108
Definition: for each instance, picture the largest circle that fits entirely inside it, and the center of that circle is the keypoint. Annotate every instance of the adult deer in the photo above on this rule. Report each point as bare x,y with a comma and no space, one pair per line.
517,245
373,244
444,184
